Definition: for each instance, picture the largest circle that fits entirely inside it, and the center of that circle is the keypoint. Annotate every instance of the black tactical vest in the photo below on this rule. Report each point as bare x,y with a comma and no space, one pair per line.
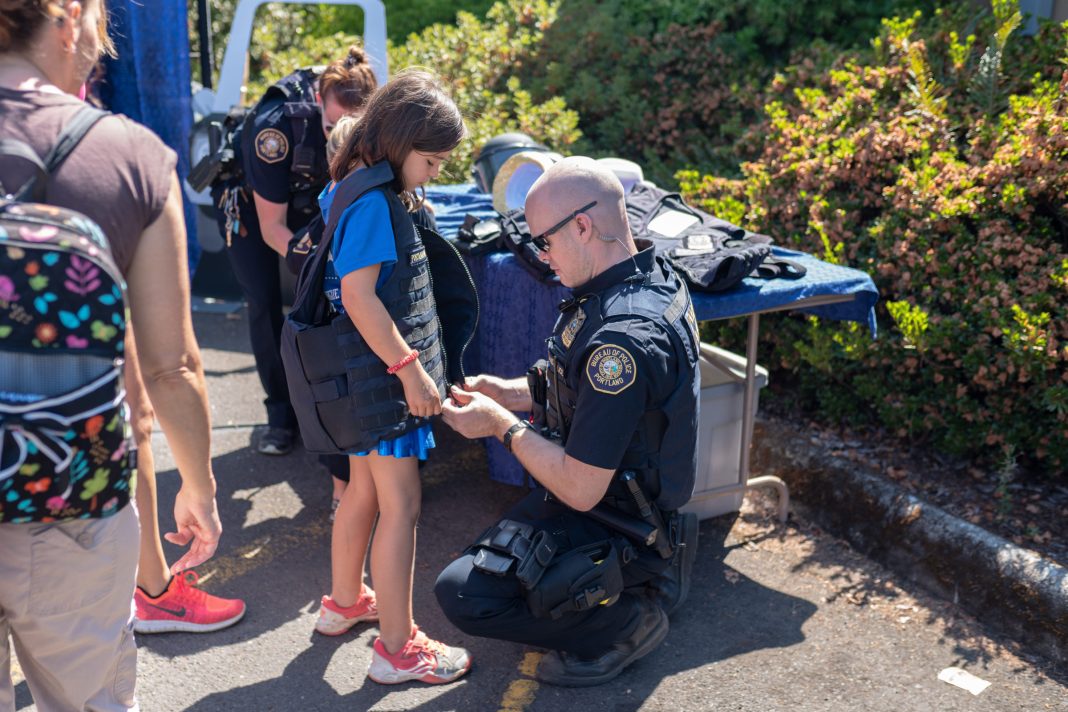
663,449
343,397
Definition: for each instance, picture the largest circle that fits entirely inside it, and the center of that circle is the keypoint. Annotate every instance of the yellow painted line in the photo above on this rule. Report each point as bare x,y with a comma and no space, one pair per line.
520,693
16,671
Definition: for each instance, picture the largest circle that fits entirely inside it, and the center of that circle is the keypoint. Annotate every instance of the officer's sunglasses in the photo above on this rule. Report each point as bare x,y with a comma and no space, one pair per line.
541,242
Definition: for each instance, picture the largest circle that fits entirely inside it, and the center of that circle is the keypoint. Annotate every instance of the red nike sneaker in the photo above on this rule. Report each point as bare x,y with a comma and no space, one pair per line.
184,607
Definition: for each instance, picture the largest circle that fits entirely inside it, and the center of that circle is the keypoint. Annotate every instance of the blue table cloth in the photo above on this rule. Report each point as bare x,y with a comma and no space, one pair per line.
517,312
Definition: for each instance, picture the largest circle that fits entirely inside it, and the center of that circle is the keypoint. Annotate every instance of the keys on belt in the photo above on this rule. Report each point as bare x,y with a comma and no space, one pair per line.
228,204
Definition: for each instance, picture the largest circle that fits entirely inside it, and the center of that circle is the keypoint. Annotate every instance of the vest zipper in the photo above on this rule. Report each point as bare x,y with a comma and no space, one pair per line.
437,319
474,291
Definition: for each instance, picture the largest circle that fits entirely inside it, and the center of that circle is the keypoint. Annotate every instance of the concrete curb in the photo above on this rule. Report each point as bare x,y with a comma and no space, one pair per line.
1008,588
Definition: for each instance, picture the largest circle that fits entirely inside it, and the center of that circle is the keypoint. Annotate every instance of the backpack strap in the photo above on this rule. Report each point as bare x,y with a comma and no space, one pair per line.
309,304
19,149
69,137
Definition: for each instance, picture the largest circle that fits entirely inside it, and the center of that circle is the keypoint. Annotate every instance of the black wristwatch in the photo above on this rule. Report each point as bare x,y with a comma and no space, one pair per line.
510,433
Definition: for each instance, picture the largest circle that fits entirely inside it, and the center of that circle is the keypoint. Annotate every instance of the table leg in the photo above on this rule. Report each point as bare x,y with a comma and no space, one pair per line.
748,402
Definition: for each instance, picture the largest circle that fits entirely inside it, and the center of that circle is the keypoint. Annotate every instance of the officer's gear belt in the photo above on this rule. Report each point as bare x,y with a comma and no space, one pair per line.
582,578
575,581
509,542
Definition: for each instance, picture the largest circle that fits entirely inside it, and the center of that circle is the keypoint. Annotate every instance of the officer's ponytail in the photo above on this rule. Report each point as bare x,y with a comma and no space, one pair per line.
349,81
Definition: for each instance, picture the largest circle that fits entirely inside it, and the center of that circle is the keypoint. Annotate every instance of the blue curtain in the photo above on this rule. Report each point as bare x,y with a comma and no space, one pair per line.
149,81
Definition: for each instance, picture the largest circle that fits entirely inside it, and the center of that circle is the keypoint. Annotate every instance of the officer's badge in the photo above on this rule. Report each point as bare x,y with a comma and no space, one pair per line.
572,328
610,369
271,145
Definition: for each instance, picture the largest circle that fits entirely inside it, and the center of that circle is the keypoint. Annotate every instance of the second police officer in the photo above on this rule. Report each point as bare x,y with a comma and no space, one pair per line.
269,192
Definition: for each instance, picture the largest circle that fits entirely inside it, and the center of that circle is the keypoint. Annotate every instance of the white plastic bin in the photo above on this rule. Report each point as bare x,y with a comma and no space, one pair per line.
719,440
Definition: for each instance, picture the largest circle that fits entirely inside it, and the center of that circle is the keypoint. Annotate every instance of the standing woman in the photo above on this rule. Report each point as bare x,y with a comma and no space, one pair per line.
72,624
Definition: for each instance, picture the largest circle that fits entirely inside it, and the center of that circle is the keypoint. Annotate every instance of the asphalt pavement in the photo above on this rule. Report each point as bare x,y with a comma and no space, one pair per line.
781,617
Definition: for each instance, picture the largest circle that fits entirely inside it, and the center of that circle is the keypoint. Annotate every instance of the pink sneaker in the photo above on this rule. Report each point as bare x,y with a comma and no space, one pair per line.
335,620
184,607
421,659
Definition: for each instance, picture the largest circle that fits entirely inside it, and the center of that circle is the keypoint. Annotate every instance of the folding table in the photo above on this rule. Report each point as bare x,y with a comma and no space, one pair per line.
517,314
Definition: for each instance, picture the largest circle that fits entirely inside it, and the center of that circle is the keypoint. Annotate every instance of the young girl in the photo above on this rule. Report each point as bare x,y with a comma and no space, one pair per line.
411,124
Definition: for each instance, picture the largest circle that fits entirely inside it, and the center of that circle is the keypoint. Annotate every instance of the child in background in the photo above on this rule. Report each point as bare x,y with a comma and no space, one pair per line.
412,124
337,465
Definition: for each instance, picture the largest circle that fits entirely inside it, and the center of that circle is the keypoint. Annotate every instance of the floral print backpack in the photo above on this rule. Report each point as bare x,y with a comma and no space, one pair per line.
63,425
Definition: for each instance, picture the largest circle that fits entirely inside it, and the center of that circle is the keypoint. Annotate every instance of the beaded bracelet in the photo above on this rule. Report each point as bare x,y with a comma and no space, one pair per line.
412,355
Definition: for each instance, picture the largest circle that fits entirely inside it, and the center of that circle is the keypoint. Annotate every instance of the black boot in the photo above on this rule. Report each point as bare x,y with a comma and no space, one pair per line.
567,670
671,588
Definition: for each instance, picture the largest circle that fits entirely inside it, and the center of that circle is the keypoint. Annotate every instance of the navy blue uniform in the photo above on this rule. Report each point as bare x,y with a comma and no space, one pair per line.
266,150
623,362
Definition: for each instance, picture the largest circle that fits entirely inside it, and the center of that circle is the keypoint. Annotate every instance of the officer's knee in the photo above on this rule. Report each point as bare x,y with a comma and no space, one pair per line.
449,587
470,610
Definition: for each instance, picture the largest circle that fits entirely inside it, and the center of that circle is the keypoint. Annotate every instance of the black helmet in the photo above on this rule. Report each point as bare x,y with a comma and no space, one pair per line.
495,152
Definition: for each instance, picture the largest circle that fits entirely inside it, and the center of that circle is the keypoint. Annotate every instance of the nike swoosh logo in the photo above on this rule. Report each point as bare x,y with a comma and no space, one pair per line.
179,612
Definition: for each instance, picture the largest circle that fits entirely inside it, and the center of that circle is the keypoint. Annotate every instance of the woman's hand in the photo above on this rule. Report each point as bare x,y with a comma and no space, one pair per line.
420,391
196,519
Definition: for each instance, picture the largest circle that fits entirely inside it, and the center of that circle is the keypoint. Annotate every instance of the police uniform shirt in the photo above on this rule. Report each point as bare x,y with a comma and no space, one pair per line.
627,367
270,156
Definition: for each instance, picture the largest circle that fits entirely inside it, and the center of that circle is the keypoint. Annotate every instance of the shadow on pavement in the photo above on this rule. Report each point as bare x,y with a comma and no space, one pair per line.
280,566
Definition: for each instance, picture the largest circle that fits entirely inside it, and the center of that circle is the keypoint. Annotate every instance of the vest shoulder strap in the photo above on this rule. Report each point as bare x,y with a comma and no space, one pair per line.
310,299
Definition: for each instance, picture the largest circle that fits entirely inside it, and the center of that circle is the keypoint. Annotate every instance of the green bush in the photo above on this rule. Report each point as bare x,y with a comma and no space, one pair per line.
940,167
481,61
675,83
476,58
284,31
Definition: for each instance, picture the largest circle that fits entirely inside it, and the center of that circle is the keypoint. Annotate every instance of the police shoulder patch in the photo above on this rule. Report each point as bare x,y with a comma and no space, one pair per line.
610,369
271,145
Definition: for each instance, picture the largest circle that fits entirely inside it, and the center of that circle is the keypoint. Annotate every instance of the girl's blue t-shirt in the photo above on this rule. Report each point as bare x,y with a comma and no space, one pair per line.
364,237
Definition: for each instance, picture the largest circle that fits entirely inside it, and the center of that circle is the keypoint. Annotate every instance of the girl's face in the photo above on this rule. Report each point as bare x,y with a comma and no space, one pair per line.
421,168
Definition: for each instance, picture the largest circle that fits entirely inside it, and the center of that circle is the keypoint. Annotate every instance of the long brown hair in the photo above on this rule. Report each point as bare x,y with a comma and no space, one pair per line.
20,21
350,80
412,112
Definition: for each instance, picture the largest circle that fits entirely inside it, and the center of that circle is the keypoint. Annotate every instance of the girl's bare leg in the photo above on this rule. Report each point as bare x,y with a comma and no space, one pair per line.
353,522
393,554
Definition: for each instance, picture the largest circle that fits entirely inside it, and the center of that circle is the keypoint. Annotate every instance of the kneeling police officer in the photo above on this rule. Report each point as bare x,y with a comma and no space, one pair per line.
591,563
267,189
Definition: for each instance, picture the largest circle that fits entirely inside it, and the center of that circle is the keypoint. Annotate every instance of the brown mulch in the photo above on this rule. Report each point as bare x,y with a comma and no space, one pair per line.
1031,511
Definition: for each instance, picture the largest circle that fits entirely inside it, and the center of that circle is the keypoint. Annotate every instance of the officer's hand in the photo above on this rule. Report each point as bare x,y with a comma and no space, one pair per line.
473,414
420,393
491,386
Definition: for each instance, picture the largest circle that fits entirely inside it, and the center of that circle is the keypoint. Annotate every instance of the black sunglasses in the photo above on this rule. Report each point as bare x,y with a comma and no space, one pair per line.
542,244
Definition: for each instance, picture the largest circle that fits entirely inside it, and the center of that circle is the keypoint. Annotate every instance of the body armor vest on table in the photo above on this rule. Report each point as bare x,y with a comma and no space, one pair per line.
666,438
343,397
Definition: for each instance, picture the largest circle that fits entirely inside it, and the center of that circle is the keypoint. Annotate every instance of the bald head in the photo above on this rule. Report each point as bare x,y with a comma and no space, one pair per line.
573,182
